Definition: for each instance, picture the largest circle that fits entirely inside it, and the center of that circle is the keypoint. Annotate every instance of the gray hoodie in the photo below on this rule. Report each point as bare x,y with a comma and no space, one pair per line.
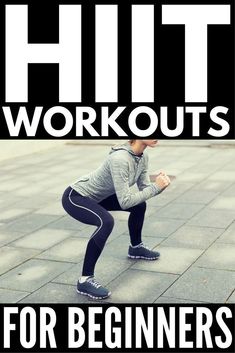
121,169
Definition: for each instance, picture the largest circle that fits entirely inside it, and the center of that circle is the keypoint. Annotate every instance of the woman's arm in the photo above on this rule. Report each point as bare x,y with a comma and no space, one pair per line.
120,175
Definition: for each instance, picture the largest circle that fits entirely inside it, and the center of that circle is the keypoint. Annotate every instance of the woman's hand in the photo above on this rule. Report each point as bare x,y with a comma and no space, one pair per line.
162,180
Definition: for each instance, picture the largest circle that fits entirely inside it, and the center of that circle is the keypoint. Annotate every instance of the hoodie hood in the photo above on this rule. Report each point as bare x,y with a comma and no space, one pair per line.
126,147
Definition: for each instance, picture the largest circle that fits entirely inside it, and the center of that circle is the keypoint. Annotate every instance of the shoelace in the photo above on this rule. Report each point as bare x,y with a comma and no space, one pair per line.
94,283
143,246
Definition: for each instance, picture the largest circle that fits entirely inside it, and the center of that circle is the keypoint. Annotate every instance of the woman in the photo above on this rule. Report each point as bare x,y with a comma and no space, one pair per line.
90,198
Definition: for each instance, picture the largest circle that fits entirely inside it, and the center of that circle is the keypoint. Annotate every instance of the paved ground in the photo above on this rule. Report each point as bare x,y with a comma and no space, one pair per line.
192,224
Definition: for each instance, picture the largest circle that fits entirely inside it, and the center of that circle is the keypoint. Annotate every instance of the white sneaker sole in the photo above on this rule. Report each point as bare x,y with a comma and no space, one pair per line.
92,296
143,257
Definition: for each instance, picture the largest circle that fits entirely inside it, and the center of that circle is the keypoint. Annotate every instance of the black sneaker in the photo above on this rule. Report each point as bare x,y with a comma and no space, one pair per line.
92,289
142,252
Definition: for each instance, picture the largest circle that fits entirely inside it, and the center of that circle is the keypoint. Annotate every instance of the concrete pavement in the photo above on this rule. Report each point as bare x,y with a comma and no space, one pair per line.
192,224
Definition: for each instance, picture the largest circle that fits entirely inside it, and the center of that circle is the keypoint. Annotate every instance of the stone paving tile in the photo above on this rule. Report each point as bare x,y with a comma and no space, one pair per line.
56,169
72,173
11,185
22,170
68,223
207,166
218,256
69,250
60,185
224,156
213,218
49,183
172,260
59,189
30,160
180,210
120,215
196,196
151,211
182,164
228,236
192,176
229,166
31,223
160,228
118,248
36,202
8,237
8,167
39,176
32,275
139,286
193,237
33,190
8,296
212,185
42,239
107,269
33,160
201,284
12,214
171,171
230,191
224,203
163,199
232,298
55,293
167,300
8,200
11,257
86,232
54,208
5,177
63,182
223,175
120,227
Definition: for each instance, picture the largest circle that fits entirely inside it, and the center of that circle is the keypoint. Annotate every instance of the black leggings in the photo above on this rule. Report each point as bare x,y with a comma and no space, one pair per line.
90,212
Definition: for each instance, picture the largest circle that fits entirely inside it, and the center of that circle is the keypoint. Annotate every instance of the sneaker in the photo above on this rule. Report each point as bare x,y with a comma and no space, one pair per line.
142,252
92,289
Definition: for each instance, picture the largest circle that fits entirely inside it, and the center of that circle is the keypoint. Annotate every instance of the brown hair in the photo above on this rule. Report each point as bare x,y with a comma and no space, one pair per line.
131,141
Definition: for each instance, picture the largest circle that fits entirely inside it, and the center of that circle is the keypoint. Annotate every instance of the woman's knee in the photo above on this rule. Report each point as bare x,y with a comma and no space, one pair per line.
104,230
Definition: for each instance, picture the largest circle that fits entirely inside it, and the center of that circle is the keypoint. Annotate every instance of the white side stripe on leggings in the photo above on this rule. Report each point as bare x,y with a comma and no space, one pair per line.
101,222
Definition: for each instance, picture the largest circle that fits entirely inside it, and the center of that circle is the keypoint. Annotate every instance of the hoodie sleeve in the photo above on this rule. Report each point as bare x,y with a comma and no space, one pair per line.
143,180
120,174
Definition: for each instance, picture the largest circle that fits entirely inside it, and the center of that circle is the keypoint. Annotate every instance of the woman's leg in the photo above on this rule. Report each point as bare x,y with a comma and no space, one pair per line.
88,211
137,250
136,222
136,218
